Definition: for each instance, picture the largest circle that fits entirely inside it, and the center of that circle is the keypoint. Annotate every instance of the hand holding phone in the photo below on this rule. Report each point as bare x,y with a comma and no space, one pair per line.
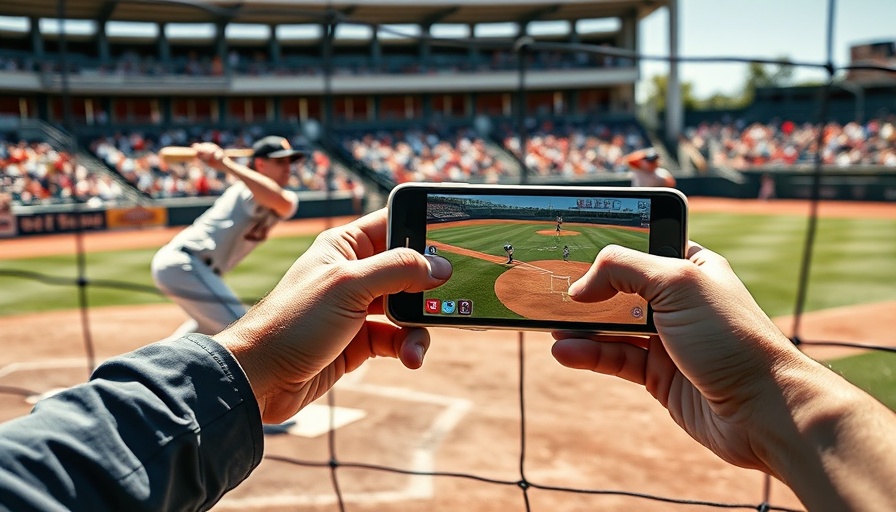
515,251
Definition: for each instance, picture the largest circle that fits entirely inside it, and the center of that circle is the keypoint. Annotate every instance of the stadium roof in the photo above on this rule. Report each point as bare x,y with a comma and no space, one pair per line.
315,11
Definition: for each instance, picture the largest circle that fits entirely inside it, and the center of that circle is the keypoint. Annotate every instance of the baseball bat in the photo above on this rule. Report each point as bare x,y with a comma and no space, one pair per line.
184,153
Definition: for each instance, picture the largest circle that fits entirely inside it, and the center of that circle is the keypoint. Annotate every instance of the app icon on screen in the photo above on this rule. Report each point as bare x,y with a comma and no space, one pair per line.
449,307
433,306
465,307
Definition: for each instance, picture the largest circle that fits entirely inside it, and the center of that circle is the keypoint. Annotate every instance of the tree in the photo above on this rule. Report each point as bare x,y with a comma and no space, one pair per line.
656,95
760,75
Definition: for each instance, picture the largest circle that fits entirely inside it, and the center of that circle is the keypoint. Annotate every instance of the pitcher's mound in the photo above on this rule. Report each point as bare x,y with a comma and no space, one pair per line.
553,232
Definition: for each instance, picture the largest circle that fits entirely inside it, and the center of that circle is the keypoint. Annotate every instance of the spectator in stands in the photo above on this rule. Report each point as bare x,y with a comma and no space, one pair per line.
431,154
646,170
766,187
575,150
36,173
786,143
135,157
188,413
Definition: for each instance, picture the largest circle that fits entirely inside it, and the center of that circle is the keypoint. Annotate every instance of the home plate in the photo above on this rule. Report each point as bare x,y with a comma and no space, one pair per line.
315,420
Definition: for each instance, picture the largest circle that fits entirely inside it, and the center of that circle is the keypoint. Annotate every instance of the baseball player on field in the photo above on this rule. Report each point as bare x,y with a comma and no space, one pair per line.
559,223
189,268
509,250
565,253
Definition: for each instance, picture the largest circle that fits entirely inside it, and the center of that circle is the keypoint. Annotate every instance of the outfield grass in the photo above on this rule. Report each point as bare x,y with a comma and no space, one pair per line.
852,259
254,277
853,263
484,298
528,245
873,372
471,274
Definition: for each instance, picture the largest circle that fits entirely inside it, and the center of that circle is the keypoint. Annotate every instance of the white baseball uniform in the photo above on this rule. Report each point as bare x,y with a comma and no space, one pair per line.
189,268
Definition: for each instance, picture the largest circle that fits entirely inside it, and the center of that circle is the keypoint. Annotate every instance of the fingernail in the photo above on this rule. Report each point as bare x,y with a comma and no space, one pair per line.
576,288
419,350
439,268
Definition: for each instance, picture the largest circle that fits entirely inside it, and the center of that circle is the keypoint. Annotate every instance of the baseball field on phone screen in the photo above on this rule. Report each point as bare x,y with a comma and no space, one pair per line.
515,257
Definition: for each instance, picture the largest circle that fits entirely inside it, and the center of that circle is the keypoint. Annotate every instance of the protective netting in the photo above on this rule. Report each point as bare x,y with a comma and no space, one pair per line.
333,463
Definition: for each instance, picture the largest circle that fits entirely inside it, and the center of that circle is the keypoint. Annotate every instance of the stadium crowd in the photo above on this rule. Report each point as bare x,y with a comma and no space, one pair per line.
743,146
135,156
570,150
428,154
36,173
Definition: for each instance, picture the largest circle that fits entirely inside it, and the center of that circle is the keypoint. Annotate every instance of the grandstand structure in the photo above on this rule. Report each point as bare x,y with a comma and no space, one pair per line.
267,62
384,91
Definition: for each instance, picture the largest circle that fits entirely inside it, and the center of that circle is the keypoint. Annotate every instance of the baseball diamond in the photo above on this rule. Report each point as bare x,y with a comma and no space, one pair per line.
522,289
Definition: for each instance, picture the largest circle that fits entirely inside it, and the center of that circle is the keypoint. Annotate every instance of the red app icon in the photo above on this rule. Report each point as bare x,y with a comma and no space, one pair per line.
433,306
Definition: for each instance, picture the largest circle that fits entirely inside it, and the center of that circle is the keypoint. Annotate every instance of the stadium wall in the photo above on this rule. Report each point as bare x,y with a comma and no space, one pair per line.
853,184
44,220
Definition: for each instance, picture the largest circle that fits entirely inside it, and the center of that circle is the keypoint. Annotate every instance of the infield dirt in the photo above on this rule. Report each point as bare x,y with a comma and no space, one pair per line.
460,413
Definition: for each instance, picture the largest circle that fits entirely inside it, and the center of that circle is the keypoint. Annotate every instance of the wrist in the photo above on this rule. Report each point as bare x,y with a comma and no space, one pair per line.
242,351
224,164
804,426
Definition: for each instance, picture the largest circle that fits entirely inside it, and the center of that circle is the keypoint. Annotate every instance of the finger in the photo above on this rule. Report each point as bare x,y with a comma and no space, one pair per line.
693,249
374,226
383,339
662,371
620,269
397,270
377,307
638,341
620,359
359,239
413,343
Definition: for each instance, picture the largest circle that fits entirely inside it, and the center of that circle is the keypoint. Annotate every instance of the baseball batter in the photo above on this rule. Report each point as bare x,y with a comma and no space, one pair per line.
189,268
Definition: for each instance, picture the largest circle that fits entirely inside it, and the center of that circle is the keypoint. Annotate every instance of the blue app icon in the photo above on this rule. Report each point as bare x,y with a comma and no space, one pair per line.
448,307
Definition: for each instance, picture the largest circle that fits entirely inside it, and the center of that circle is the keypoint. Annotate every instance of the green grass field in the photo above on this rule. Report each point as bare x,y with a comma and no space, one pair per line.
128,271
853,263
528,244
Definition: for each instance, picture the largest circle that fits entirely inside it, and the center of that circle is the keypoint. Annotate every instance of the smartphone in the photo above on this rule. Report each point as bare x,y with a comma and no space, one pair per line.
515,250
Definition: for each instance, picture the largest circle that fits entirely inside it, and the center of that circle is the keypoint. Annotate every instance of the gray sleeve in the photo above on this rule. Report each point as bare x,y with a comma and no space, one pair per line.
171,426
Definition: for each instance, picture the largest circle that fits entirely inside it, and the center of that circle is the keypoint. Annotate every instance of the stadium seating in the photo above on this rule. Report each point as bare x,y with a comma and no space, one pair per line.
742,146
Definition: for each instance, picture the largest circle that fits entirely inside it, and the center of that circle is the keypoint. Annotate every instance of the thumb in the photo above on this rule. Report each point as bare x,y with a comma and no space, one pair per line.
619,269
400,270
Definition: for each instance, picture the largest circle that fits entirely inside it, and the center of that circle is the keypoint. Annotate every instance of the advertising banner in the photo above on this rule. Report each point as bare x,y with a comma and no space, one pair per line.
60,222
136,217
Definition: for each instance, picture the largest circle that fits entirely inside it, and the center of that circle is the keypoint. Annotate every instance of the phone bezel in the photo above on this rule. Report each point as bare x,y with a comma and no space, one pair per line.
407,228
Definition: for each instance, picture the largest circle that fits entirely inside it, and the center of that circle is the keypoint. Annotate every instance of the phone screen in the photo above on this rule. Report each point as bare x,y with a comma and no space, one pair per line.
515,256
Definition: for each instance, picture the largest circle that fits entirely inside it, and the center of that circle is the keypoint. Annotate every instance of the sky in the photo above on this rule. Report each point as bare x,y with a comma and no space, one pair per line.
761,29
